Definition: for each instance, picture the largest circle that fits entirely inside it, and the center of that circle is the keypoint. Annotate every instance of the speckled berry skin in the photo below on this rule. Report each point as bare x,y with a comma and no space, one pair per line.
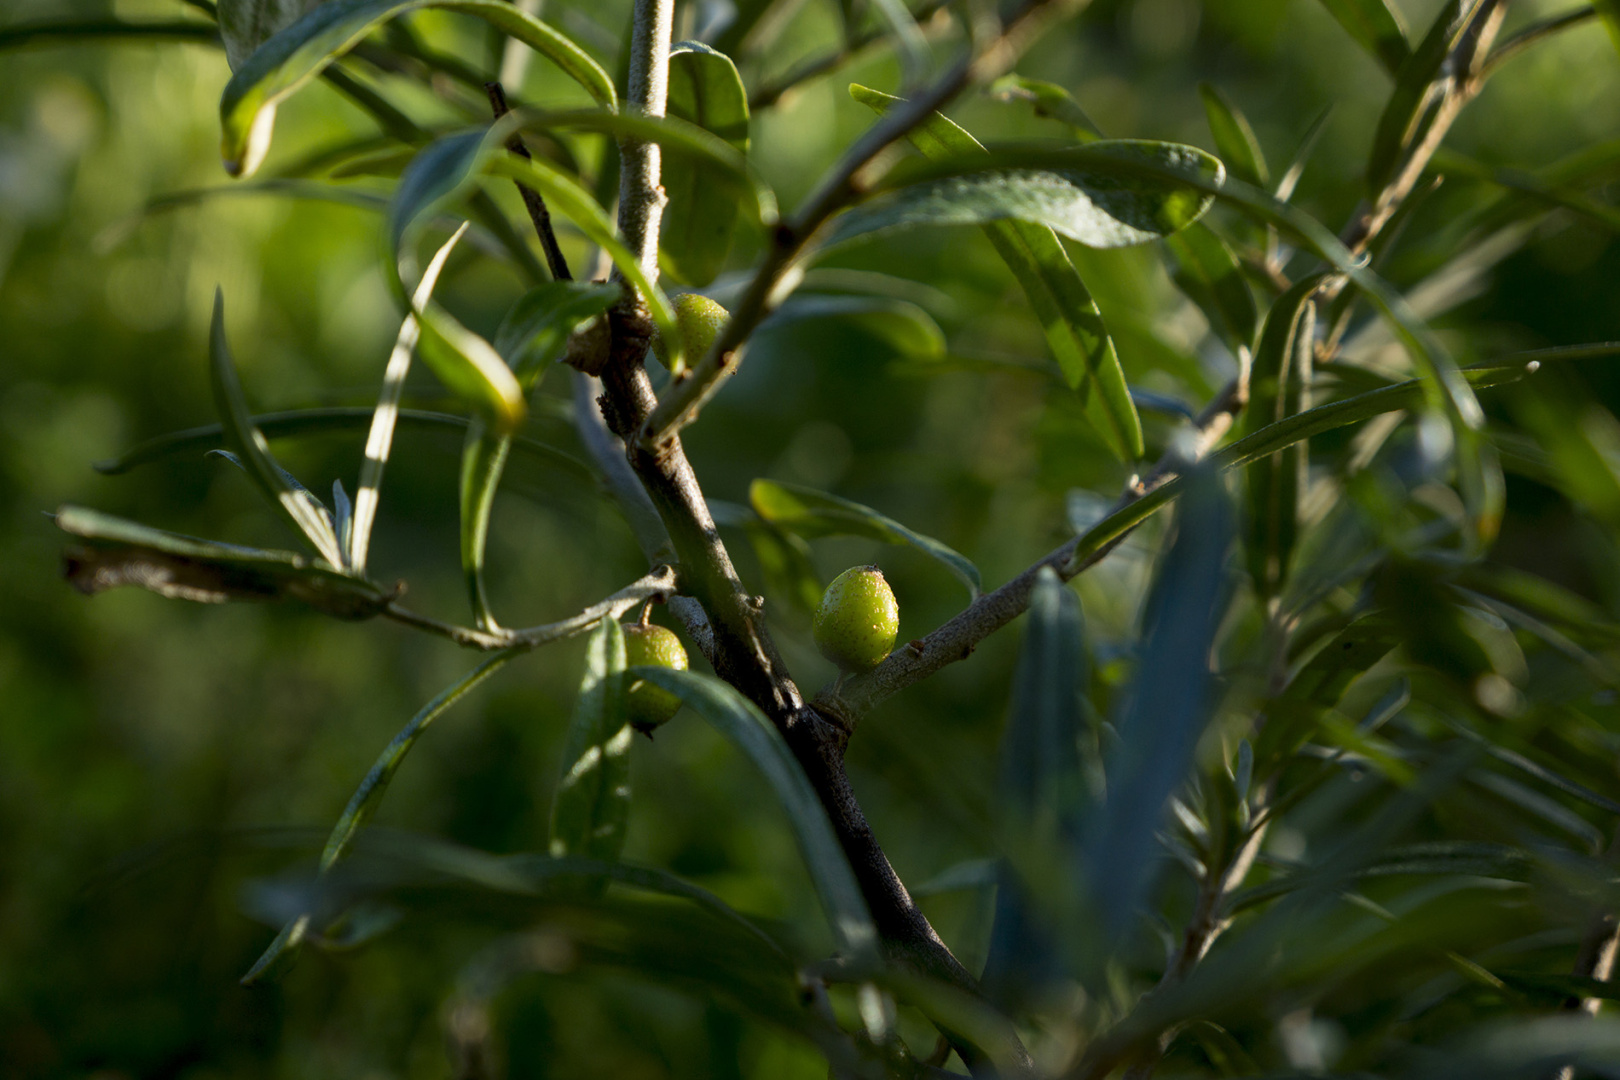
699,320
652,646
858,620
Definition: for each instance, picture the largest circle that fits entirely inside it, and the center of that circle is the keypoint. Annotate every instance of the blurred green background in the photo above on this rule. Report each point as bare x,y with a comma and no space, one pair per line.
163,765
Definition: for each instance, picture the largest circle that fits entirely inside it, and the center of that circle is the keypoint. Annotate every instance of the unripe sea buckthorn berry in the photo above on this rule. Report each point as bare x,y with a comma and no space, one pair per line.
699,319
651,645
858,620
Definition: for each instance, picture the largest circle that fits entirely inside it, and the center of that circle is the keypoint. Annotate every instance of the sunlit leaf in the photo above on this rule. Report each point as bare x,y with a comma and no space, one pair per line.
704,89
1048,100
297,54
592,803
482,461
471,369
815,513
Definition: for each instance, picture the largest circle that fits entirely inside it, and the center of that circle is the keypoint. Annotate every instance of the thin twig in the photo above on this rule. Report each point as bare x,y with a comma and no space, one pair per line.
843,183
532,201
660,583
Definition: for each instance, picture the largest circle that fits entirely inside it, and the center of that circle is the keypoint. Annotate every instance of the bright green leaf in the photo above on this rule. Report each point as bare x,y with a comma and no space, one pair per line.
592,803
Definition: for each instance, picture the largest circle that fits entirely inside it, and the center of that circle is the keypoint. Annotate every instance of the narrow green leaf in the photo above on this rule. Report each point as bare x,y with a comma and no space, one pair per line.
1609,12
123,552
735,717
482,461
785,560
1318,686
301,510
1095,207
303,50
470,368
1169,703
536,329
1049,101
705,90
380,439
437,175
1279,386
363,804
1042,788
1234,138
1209,274
592,804
899,324
1307,145
1068,315
815,513
1402,123
342,418
1376,27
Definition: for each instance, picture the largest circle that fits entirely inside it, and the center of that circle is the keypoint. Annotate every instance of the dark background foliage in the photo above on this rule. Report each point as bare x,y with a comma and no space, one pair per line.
163,766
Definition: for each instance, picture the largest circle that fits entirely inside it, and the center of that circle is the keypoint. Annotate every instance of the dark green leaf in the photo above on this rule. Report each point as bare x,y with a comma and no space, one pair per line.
21,36
303,50
1169,704
1234,138
748,729
1279,387
246,24
1042,789
482,461
536,329
470,368
815,513
1095,206
1376,28
363,804
122,552
1068,315
705,90
1208,272
1319,684
1609,12
301,509
592,803
785,559
438,174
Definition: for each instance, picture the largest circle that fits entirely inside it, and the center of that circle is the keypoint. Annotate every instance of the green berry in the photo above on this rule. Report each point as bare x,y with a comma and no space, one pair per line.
699,319
858,619
652,646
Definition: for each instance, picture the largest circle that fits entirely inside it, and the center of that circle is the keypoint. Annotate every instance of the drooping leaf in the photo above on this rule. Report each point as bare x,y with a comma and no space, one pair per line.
899,324
1208,272
592,803
1042,788
785,560
536,329
437,175
363,804
1279,386
121,552
1234,138
244,25
471,369
735,717
1376,27
303,50
815,513
482,461
704,89
1085,201
1068,315
1168,705
1048,100
301,509
380,439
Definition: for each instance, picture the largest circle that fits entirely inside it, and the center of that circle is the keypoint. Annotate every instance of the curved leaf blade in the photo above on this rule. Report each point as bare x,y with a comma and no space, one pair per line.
1209,274
482,461
814,513
300,509
735,717
1234,138
1068,315
471,369
293,57
536,329
705,90
900,324
244,25
1376,27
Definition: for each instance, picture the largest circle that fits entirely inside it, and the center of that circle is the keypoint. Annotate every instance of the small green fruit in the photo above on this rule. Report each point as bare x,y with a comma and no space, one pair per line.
858,619
651,645
699,319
